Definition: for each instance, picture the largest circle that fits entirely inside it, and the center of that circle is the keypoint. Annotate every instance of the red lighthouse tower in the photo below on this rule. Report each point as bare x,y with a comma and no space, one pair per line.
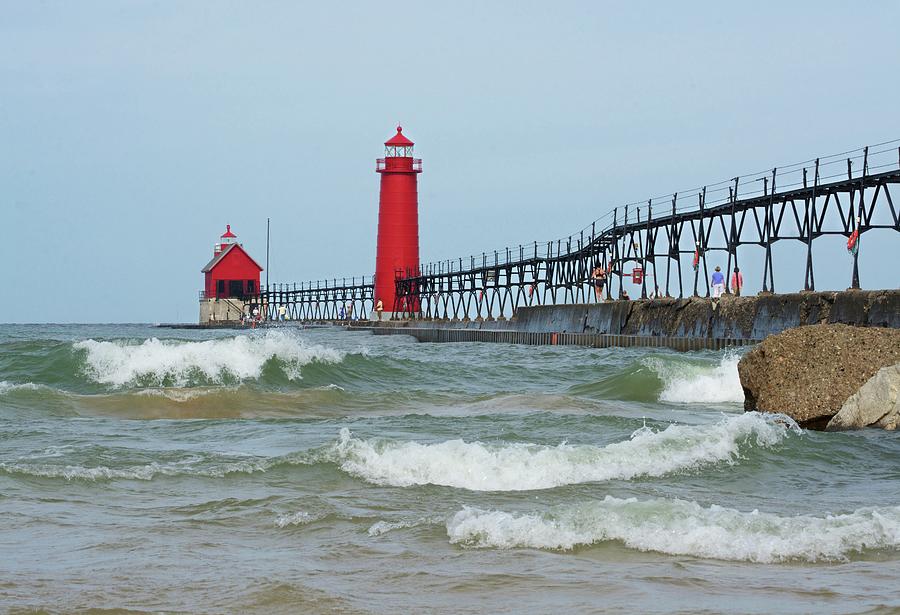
398,219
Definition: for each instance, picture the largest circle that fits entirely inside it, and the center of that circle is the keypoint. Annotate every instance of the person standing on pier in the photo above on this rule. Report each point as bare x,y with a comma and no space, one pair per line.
718,283
598,278
737,282
379,308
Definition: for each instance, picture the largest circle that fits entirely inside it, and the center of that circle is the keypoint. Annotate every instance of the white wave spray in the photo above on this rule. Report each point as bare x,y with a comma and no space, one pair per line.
515,467
9,387
680,527
170,362
301,517
696,384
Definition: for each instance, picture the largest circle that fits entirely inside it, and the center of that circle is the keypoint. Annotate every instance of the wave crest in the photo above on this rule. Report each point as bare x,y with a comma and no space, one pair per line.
518,467
680,527
689,383
194,465
9,387
155,362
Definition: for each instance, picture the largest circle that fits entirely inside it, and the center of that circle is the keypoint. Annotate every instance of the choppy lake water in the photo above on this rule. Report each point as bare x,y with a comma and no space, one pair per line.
325,471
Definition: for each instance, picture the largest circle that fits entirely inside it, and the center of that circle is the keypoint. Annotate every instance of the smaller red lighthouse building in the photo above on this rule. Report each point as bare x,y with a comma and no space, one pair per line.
232,274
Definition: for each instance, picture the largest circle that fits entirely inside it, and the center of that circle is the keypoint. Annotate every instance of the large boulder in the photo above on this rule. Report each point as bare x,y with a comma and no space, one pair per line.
876,403
809,372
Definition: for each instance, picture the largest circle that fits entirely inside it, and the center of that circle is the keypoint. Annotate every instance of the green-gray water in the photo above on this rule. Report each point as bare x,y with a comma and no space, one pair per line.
326,471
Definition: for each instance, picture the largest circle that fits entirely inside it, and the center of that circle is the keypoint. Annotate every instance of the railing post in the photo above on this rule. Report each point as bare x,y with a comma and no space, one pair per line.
732,240
768,221
698,244
809,281
859,219
673,247
615,252
645,251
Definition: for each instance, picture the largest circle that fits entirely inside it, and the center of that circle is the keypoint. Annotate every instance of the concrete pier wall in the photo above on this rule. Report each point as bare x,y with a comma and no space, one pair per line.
686,324
221,311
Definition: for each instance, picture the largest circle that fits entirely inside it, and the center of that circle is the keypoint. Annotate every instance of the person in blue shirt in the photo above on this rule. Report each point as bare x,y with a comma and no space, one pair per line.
718,283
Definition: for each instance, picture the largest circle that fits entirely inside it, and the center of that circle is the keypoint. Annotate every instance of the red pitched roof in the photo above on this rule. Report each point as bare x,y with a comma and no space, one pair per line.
398,139
218,258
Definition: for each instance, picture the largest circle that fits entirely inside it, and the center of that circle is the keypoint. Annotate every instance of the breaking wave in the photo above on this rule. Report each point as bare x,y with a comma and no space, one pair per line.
690,383
679,527
155,362
9,387
516,467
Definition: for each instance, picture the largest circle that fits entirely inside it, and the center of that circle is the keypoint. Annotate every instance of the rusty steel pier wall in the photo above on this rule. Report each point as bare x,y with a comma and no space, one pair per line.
692,323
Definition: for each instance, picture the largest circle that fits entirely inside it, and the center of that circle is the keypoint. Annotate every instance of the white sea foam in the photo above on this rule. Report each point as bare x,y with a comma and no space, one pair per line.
383,527
300,517
158,362
181,395
680,527
515,467
696,384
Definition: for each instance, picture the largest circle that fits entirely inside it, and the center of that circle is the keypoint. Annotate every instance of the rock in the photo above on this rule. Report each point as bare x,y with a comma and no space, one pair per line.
809,372
876,403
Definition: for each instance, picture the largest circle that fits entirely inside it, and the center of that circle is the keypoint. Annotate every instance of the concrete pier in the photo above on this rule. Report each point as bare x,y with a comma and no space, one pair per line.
684,324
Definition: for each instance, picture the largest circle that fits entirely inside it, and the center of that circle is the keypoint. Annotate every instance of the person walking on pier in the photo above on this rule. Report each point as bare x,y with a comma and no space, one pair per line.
598,279
379,308
281,312
737,282
718,283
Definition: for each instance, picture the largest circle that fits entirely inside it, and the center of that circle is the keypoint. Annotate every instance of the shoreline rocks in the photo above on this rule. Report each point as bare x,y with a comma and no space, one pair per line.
810,372
876,403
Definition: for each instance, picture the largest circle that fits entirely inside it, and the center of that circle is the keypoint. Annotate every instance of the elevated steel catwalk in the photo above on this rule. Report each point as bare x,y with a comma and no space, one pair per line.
666,239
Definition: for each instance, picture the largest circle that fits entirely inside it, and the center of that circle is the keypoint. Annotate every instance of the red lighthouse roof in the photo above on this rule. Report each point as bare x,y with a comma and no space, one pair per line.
239,252
398,140
228,234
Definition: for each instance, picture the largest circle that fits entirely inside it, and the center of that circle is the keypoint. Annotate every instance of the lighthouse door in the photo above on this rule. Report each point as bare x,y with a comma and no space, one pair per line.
235,288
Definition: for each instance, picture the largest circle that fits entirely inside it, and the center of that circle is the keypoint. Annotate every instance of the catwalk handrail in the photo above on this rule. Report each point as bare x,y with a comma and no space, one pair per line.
784,179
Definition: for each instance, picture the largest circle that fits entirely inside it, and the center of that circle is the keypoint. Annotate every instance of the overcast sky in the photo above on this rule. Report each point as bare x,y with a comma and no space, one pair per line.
132,132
